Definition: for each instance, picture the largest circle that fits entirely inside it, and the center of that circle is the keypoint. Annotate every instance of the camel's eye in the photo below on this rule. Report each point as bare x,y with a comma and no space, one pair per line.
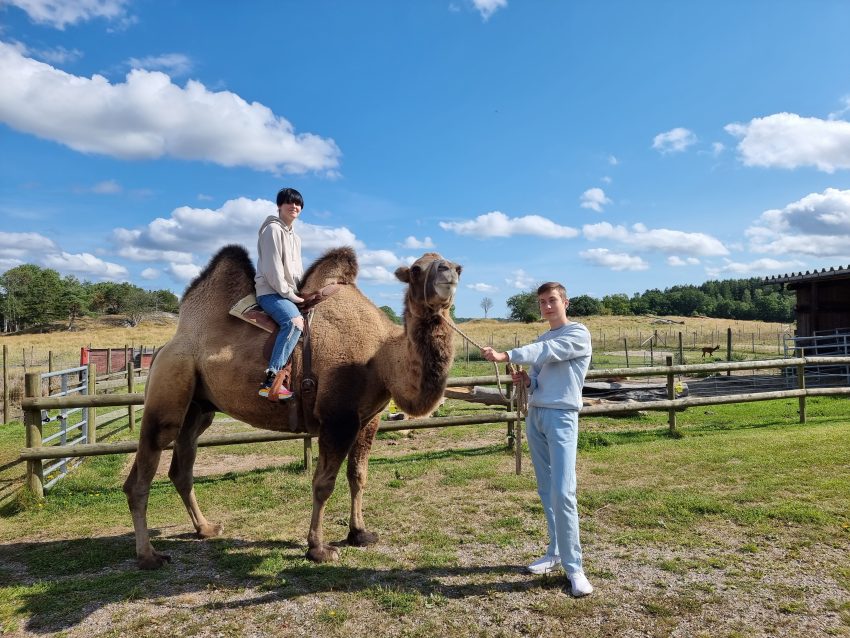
415,270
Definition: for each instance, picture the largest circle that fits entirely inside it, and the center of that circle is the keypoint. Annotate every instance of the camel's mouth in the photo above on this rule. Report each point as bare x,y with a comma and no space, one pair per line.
444,281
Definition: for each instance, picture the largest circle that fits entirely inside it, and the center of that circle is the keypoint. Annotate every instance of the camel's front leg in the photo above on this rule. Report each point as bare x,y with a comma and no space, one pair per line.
332,450
358,470
137,488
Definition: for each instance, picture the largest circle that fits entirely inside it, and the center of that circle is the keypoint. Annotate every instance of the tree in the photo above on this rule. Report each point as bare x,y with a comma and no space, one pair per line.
617,304
486,304
584,306
523,307
391,314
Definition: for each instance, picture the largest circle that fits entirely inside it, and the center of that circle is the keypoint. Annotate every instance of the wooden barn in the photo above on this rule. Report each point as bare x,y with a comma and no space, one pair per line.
822,309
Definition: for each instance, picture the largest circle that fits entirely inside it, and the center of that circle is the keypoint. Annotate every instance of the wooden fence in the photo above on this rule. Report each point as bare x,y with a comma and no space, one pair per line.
34,452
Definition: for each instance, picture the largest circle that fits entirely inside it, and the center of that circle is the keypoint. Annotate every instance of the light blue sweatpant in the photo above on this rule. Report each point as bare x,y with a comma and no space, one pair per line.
553,440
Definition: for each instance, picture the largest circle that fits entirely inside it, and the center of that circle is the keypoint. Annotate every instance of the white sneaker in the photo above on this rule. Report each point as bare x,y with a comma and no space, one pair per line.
579,585
545,565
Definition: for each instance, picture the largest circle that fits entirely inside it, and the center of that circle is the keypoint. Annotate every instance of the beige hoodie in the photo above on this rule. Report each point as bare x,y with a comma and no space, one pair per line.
279,268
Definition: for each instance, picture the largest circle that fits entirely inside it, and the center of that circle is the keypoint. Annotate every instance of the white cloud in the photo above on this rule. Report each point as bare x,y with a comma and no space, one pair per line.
762,267
412,242
57,55
607,180
149,117
150,273
183,273
661,239
205,198
520,280
85,264
479,287
786,140
594,199
175,64
842,111
613,161
108,187
717,148
497,224
673,260
385,258
377,275
674,141
816,225
488,7
24,246
60,13
191,235
8,264
614,261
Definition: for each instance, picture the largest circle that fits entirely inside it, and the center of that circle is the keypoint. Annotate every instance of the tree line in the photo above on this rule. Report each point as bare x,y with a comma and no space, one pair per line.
746,299
32,296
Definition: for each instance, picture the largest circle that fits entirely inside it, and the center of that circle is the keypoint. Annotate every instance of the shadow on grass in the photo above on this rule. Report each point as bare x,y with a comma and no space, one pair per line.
56,585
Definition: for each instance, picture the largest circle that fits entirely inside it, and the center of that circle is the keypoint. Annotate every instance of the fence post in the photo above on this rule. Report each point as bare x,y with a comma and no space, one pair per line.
308,454
671,394
49,369
626,349
32,423
126,359
681,350
131,382
801,384
5,384
91,415
728,349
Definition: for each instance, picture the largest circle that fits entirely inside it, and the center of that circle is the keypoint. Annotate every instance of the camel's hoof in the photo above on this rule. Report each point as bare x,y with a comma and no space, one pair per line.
154,561
323,554
361,538
209,530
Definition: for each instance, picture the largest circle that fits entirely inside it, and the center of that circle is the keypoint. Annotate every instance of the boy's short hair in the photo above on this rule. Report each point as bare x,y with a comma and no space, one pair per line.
289,196
553,285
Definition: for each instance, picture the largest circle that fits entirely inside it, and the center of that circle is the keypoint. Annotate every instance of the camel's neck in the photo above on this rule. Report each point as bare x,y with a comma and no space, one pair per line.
422,357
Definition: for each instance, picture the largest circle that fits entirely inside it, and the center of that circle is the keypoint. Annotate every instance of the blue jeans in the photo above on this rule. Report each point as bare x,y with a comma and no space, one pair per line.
553,440
283,311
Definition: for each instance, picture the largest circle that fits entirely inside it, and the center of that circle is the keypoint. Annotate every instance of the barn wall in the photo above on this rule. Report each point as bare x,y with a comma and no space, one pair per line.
822,305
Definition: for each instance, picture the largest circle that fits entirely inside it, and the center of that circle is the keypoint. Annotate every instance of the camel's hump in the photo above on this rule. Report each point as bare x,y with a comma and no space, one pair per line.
339,264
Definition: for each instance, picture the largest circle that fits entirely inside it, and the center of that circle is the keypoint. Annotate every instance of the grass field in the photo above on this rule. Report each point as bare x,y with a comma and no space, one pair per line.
739,527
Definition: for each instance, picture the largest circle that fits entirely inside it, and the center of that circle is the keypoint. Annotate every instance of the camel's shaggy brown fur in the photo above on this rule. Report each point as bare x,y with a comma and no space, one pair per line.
360,359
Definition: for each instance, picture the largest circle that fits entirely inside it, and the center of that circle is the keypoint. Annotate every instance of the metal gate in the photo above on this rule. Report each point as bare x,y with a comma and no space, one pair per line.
67,426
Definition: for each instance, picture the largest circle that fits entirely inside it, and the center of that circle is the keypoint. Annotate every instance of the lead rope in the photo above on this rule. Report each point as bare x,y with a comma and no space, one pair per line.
520,391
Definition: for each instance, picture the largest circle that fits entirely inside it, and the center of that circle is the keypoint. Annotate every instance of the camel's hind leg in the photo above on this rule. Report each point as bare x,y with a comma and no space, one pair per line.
167,397
183,463
358,468
333,447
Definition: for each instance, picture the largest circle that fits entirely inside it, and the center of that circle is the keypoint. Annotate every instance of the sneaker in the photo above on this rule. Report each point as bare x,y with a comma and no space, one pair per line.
579,585
545,565
283,392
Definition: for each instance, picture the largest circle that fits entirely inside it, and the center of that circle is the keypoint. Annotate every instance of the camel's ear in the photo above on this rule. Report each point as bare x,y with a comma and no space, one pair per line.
402,273
458,269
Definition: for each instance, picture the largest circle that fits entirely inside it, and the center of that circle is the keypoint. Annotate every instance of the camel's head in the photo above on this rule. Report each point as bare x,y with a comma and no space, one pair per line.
432,280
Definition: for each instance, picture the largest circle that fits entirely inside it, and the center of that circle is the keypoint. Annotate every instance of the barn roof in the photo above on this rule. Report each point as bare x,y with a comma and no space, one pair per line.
839,272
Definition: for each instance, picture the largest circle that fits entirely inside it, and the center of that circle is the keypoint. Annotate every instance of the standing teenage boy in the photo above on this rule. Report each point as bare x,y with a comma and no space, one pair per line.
279,271
559,360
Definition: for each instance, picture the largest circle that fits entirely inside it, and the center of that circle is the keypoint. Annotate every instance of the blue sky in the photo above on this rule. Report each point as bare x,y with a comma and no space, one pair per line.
613,146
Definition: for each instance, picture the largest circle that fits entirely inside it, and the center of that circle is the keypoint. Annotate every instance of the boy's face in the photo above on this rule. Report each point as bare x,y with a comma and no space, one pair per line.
552,305
288,213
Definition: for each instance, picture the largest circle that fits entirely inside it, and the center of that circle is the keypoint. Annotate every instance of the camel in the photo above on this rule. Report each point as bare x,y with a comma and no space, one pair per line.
360,359
708,350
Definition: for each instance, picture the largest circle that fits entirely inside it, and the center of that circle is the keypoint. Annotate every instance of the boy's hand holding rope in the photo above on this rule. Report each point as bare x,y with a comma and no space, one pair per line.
518,375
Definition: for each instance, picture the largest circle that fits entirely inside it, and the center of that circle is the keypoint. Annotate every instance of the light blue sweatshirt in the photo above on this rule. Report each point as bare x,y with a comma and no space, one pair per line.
559,360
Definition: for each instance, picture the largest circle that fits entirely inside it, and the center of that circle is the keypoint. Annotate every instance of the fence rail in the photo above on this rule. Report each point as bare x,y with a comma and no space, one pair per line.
35,452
